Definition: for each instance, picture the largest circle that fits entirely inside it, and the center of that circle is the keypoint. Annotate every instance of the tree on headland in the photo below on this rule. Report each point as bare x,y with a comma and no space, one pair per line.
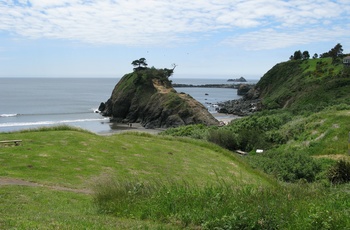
139,64
334,53
170,72
298,55
306,55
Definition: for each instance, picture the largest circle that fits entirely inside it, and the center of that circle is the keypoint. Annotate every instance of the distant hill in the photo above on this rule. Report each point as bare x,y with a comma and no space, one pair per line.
305,85
147,96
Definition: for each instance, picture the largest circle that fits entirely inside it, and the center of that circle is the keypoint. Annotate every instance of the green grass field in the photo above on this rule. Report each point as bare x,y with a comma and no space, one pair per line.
64,165
73,159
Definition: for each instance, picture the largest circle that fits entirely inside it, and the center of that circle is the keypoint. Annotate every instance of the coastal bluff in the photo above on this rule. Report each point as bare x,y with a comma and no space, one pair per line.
146,96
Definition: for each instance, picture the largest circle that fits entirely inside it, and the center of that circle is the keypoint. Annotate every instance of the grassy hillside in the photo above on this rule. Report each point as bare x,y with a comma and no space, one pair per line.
72,158
71,179
49,181
305,120
305,85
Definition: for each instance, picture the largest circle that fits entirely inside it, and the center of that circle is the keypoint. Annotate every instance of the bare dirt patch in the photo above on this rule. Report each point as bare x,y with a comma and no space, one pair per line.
160,87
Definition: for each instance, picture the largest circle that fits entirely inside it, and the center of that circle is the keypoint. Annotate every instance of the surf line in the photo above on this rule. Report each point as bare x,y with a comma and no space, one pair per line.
49,122
8,115
45,114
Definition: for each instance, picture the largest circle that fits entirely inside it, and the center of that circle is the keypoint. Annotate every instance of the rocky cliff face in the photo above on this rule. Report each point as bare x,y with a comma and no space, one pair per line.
146,96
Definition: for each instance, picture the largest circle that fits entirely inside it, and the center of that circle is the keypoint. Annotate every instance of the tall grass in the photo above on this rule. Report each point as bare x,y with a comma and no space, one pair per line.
226,206
54,128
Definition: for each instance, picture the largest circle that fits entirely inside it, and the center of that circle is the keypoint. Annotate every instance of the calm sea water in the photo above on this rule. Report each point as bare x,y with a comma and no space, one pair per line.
28,103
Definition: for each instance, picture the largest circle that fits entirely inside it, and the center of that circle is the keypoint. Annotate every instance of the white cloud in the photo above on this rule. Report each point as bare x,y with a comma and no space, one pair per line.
272,39
163,22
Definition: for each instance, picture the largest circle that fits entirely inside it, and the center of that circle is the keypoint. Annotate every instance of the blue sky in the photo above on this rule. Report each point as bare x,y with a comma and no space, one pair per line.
205,38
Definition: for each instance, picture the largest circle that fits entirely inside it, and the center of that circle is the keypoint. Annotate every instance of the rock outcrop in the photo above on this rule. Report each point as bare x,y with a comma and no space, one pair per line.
243,89
247,105
147,97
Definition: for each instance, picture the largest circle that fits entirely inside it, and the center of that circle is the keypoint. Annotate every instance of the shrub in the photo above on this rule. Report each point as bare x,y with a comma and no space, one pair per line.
339,173
223,137
289,167
193,131
249,139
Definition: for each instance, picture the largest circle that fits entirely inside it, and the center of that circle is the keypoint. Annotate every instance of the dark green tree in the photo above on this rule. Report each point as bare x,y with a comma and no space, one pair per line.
315,56
139,64
306,55
337,50
298,55
334,53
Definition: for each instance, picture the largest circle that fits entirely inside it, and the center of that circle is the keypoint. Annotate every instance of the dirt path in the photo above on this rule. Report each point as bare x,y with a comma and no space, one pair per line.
19,182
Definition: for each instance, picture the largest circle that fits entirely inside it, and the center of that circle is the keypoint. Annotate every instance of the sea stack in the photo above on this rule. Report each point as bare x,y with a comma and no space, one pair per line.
146,96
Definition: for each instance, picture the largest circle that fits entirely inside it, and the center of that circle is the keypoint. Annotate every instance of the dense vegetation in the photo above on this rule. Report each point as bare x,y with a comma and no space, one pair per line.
305,86
305,117
228,206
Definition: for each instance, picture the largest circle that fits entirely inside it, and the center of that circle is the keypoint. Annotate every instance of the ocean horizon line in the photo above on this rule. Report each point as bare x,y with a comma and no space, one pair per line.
116,76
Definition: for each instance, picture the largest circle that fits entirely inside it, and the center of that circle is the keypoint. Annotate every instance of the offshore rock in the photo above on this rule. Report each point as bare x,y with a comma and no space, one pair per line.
147,97
241,79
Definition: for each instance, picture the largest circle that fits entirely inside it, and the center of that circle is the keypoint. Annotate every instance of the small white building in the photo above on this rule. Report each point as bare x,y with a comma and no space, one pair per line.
346,61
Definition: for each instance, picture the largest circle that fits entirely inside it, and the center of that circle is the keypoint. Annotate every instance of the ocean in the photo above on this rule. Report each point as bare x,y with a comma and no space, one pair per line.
28,103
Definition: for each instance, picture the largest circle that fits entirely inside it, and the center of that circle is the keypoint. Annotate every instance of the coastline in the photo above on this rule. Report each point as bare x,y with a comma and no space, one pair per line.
117,128
27,108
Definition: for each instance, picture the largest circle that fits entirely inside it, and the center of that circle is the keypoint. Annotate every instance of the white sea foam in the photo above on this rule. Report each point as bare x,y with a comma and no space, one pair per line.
8,115
39,123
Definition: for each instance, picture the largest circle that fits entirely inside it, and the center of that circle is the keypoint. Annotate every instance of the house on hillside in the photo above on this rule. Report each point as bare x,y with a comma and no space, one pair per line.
346,61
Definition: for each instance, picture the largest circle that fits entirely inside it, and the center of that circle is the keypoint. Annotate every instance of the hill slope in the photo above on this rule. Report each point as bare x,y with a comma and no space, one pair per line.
146,96
305,85
71,158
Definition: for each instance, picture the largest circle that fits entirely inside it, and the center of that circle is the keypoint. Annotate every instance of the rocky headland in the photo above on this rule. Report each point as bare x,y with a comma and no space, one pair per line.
146,96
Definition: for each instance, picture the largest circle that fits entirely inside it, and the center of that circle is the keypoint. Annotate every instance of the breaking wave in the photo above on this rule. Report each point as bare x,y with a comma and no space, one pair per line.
38,123
8,115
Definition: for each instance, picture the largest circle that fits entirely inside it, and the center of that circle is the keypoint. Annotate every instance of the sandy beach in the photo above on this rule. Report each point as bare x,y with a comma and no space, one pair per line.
225,118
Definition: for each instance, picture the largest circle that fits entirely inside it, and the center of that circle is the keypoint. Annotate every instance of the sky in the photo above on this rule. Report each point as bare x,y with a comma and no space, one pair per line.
204,38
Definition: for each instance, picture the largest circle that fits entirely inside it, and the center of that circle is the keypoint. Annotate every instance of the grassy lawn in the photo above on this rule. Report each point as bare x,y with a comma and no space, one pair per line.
72,158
